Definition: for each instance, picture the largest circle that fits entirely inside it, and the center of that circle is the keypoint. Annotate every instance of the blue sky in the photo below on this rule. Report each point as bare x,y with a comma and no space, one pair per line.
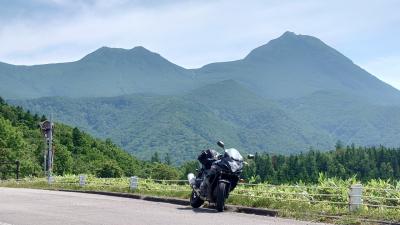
194,33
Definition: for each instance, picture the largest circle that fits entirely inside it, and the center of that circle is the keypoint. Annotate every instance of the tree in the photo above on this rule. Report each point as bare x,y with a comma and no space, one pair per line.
338,145
77,137
264,167
309,161
43,118
167,159
63,161
155,158
188,167
163,172
386,170
109,169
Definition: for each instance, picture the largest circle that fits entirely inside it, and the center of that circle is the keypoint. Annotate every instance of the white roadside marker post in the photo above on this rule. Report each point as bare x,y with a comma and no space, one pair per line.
50,179
82,180
355,197
134,183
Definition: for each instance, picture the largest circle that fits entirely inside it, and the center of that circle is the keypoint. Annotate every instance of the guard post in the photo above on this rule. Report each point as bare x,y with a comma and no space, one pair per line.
82,180
134,183
355,197
50,179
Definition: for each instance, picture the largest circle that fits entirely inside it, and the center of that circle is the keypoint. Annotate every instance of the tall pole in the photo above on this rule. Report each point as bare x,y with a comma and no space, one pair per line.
50,157
45,157
17,169
47,130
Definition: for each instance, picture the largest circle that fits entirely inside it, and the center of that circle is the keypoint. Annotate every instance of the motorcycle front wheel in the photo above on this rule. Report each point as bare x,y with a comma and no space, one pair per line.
221,194
195,200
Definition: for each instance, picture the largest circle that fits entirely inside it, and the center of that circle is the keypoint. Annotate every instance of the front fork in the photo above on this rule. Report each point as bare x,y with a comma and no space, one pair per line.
228,187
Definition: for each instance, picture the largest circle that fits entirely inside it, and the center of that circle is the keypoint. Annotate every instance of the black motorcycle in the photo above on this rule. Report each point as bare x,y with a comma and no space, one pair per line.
223,173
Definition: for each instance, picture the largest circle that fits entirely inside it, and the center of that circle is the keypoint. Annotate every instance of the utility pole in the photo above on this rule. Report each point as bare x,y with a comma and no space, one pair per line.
47,130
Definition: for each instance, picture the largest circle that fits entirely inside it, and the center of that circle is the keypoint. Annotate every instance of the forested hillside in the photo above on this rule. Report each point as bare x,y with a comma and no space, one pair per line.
183,125
348,118
364,163
75,151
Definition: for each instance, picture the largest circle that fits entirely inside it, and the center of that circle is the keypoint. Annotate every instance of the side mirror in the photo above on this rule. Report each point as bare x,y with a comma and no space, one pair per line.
221,144
250,156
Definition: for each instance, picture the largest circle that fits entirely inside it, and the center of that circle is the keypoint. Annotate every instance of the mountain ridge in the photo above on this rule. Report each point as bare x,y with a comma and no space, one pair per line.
270,70
298,65
183,125
293,93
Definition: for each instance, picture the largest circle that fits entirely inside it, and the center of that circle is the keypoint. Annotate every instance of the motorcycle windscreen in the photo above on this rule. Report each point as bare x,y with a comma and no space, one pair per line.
235,165
234,154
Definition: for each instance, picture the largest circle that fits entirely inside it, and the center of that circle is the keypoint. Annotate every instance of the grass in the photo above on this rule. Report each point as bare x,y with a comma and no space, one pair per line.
326,201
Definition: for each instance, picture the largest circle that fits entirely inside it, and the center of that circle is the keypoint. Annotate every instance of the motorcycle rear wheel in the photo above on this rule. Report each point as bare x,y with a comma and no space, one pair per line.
195,200
221,194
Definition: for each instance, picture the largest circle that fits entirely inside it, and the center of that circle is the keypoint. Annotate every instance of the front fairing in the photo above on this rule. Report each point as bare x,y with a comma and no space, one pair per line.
230,165
234,154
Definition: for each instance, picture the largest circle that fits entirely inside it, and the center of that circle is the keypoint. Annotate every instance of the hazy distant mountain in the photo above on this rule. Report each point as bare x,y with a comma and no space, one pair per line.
105,72
289,66
293,66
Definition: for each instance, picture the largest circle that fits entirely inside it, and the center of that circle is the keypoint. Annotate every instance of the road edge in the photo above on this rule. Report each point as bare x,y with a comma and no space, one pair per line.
177,201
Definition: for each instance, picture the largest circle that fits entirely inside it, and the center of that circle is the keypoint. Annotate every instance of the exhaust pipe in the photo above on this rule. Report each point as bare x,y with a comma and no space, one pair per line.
191,179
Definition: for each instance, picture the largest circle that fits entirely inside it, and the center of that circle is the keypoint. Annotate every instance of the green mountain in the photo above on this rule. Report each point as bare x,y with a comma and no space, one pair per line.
290,66
293,66
291,94
348,118
105,72
184,125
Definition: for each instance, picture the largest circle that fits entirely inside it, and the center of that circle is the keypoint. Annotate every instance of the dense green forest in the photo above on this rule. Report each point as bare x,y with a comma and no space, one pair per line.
364,163
75,151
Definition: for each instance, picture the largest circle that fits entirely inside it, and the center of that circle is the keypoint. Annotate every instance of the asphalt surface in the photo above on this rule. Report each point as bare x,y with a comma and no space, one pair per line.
41,207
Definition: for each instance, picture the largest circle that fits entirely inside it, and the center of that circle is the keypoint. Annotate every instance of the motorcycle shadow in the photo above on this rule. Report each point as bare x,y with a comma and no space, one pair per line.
199,210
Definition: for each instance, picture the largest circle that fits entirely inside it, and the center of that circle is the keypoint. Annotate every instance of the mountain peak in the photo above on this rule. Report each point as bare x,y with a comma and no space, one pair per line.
294,46
288,34
140,49
106,54
107,50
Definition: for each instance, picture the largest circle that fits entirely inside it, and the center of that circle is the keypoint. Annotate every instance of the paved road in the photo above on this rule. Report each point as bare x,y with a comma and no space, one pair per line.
40,207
